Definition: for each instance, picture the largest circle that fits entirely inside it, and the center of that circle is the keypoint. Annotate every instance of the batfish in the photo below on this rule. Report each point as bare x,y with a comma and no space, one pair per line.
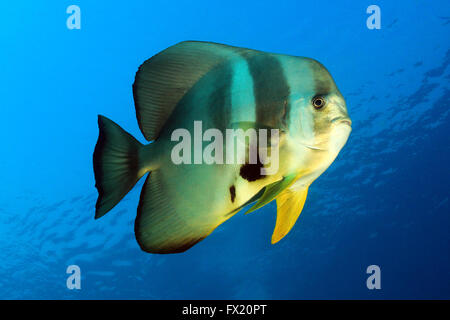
187,99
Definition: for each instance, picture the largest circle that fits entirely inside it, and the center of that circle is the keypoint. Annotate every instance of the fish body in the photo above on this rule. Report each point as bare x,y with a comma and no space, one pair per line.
200,88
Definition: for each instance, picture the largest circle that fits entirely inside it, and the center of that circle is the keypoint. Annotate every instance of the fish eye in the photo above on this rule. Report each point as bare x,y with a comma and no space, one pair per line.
318,102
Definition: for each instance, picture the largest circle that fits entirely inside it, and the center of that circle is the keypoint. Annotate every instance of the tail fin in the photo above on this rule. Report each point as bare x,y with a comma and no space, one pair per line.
116,165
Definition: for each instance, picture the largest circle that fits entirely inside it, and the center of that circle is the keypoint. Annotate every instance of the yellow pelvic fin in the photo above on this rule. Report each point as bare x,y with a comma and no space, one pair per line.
289,206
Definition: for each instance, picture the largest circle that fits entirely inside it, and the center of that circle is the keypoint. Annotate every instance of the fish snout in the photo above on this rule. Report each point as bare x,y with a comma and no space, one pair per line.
347,122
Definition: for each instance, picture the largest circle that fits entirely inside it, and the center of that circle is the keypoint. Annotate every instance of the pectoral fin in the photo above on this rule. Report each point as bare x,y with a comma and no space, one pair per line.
289,206
272,191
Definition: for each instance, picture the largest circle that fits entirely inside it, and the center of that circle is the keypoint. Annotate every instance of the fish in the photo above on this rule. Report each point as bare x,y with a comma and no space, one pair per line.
196,87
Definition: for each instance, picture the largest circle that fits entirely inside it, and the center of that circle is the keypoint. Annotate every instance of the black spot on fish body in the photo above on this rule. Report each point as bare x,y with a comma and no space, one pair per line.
251,171
232,193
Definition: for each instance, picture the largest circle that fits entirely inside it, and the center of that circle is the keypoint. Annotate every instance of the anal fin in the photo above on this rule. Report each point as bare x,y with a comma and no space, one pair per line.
170,219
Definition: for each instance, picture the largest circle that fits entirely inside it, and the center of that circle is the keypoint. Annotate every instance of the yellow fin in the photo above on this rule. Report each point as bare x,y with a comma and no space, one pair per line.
289,206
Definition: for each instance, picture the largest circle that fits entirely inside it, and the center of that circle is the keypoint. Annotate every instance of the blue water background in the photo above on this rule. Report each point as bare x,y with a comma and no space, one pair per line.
384,201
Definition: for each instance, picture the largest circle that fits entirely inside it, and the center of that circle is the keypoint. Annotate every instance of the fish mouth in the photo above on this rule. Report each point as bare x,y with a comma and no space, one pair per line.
347,122
339,120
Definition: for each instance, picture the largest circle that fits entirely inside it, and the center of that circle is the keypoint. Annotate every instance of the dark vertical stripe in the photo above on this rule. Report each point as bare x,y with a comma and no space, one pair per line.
218,101
323,82
323,85
270,88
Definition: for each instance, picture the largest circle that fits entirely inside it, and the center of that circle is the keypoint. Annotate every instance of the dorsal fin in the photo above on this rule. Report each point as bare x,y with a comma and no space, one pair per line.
163,80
